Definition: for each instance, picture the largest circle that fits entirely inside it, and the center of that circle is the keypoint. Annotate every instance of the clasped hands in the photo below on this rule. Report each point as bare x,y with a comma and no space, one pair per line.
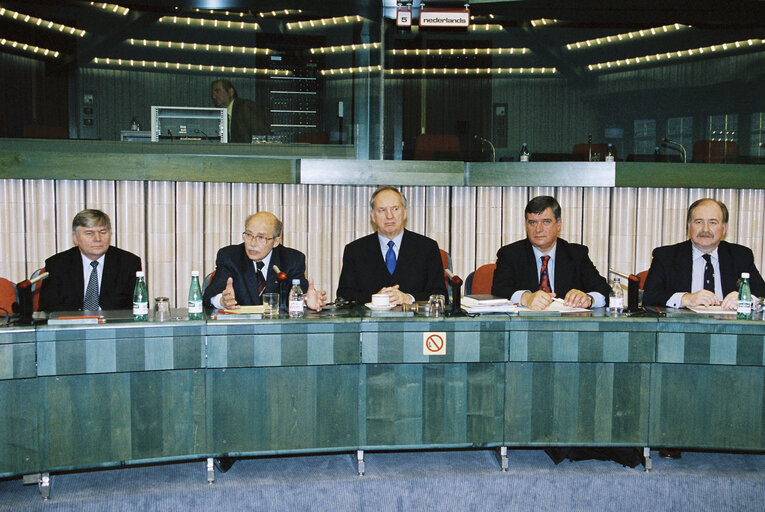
395,295
708,298
540,299
314,298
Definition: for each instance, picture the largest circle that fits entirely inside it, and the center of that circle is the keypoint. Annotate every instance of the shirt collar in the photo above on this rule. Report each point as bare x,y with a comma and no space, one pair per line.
266,262
396,240
551,253
86,261
697,254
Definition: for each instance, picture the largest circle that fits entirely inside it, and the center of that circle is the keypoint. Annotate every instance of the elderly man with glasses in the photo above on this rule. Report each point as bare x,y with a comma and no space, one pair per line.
244,272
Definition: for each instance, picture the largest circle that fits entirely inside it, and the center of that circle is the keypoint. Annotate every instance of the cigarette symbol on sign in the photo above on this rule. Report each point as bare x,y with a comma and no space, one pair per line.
435,343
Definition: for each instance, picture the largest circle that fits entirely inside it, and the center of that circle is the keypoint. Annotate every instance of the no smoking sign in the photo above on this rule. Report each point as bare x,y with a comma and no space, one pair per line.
434,343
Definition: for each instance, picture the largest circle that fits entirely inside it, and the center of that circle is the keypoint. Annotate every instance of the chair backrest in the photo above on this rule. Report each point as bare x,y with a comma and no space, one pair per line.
7,296
642,275
206,281
479,282
714,151
433,146
583,149
36,288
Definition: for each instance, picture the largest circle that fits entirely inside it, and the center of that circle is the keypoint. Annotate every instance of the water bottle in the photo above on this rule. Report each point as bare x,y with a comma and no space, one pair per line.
140,299
656,154
744,309
524,156
610,156
195,297
616,297
297,302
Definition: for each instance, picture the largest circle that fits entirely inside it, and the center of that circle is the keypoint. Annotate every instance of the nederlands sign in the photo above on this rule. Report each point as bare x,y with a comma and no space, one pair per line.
430,17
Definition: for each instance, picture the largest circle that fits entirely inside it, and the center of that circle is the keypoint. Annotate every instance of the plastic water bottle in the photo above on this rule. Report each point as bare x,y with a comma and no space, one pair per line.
610,156
297,302
616,297
140,299
524,156
744,309
195,297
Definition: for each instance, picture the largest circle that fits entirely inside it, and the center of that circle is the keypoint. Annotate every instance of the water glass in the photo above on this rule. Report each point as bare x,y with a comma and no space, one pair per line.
436,305
270,304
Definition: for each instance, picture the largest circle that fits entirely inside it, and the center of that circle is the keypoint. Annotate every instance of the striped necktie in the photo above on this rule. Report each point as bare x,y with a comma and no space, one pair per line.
91,292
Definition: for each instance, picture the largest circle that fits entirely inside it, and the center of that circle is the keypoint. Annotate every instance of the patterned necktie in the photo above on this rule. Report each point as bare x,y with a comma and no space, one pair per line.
390,258
709,274
544,280
261,279
91,292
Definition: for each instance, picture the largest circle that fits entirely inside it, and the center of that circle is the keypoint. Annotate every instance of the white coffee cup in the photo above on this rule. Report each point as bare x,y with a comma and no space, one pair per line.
380,300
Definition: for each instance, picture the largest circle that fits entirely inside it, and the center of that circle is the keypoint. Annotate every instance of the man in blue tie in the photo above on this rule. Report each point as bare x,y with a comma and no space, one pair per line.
404,265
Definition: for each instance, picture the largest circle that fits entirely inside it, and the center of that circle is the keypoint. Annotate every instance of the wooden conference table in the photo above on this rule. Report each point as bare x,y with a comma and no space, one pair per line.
86,396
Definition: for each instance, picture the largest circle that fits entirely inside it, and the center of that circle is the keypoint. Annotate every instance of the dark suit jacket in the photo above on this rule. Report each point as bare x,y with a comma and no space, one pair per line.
64,289
232,261
517,270
419,270
672,271
247,119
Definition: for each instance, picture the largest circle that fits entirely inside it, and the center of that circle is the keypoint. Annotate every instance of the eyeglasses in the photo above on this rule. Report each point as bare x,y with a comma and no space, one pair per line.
260,239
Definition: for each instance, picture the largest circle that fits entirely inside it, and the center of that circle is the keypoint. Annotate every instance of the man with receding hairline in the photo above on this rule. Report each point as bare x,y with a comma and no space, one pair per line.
393,261
244,272
703,270
245,117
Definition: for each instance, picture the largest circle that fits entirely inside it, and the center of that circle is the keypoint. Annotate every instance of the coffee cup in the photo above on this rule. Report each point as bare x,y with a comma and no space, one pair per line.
380,300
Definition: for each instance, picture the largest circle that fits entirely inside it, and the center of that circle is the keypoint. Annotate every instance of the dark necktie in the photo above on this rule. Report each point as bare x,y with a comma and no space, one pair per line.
91,292
709,274
544,279
390,258
261,279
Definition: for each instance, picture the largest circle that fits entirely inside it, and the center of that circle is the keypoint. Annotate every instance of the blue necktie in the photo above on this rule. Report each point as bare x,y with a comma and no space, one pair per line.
390,258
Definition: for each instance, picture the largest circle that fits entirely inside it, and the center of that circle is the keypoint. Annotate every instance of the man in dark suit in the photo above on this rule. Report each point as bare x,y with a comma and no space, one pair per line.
703,270
542,266
92,275
245,118
404,265
244,272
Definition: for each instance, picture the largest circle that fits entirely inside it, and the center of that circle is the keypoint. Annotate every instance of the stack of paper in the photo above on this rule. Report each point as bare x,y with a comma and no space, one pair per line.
487,304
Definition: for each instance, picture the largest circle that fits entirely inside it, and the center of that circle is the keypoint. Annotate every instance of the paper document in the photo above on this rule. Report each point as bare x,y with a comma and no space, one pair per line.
245,310
712,310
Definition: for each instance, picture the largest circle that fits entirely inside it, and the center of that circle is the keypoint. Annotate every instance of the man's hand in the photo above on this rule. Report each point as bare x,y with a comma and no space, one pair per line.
538,300
227,298
578,299
396,296
701,298
730,301
314,298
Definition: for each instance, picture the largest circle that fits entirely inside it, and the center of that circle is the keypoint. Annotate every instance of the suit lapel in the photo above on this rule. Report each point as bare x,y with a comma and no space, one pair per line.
275,260
683,266
531,263
250,279
728,275
109,275
564,267
79,280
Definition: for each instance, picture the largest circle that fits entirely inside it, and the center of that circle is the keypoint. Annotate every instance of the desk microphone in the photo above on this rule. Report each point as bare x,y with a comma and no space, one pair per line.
672,144
29,282
487,141
455,282
281,276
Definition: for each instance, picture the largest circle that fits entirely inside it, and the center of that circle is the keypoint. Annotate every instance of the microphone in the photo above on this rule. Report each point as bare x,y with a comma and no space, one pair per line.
672,144
281,276
487,141
453,279
29,282
454,282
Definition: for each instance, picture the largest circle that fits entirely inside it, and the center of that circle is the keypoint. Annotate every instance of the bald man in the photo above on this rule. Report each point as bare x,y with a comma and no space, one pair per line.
240,269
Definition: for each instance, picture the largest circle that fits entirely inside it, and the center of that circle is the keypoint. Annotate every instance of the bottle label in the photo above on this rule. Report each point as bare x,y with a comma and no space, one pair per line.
140,308
524,158
744,307
296,306
610,158
195,306
616,303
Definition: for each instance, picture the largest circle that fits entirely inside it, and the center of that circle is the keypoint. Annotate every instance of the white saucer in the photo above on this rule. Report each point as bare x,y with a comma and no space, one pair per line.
379,308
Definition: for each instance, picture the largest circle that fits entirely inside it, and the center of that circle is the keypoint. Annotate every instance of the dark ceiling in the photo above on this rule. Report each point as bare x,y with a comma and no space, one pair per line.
109,32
